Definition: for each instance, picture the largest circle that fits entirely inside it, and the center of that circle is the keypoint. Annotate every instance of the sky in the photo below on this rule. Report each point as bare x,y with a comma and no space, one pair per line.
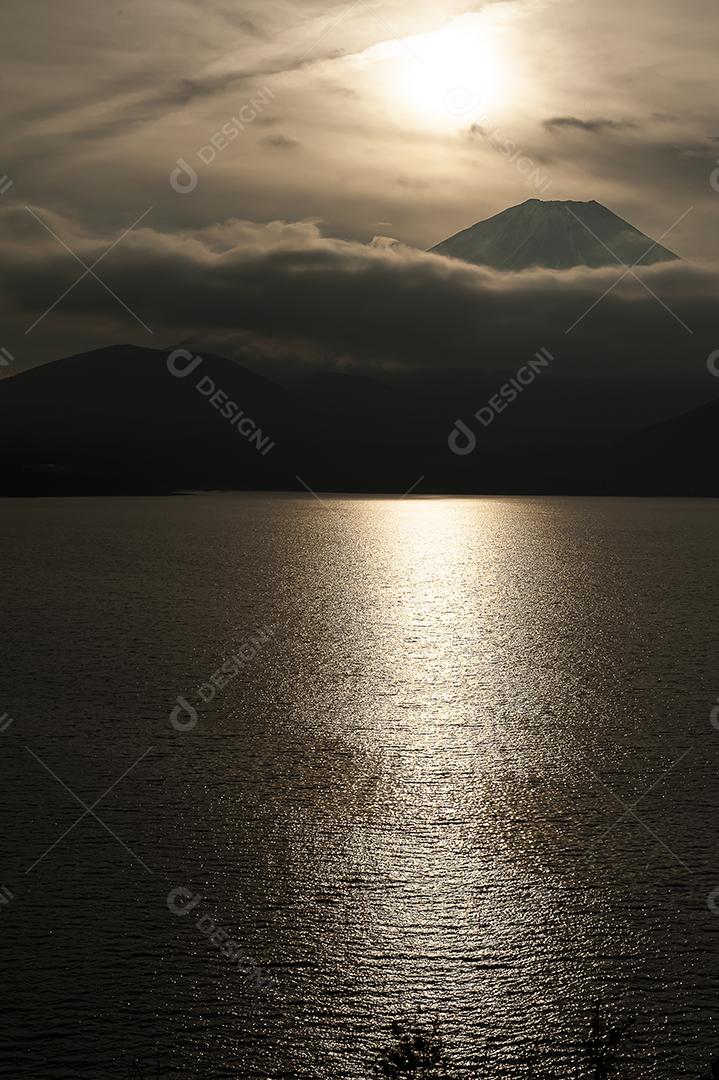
274,137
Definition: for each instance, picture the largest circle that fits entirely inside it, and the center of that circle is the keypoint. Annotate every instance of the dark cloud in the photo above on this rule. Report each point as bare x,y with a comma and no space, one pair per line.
343,91
285,289
412,182
594,127
281,142
704,149
503,144
174,95
247,26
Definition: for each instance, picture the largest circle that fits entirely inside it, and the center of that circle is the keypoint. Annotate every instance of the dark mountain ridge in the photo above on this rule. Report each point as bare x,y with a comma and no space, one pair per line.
119,420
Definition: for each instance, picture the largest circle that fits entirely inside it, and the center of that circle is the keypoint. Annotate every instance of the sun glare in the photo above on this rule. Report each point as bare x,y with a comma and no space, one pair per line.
448,76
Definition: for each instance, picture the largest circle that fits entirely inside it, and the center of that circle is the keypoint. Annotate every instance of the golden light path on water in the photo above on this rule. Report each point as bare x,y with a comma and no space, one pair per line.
453,682
412,799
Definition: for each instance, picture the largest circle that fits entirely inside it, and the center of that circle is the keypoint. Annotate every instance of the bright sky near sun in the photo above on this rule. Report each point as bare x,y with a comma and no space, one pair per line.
407,120
442,77
381,111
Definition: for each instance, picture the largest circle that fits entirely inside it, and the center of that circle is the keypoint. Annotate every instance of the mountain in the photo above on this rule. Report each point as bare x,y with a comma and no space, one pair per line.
681,451
117,420
554,235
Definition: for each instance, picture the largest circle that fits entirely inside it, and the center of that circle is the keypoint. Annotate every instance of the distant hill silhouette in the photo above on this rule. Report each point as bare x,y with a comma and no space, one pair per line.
116,417
117,420
680,451
553,235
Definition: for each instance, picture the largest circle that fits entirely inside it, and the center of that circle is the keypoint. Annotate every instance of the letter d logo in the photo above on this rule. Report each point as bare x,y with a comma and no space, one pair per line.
714,178
183,178
180,901
461,431
188,721
182,372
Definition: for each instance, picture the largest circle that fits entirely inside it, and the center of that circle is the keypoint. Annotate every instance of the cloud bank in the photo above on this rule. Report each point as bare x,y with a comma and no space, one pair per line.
285,290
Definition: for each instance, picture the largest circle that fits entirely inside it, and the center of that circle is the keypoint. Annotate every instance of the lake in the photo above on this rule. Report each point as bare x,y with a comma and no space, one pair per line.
457,760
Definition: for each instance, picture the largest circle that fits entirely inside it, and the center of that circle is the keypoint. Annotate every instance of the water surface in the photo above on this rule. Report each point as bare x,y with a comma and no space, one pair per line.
471,772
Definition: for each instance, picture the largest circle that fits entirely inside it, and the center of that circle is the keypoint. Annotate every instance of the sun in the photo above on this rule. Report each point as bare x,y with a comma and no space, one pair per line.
449,76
